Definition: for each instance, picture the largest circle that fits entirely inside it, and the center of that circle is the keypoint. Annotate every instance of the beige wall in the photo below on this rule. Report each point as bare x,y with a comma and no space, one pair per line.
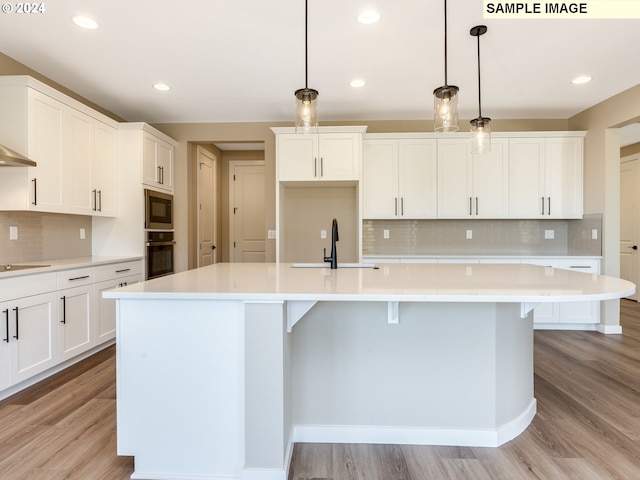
602,174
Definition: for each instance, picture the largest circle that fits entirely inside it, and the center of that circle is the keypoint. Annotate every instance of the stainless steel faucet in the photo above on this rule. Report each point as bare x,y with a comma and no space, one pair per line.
333,259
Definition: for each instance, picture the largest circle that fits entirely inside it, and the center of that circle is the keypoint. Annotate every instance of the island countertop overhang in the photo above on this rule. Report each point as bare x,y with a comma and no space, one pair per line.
387,283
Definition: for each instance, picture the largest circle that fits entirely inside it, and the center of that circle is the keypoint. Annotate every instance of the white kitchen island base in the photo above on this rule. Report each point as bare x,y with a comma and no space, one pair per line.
222,369
219,389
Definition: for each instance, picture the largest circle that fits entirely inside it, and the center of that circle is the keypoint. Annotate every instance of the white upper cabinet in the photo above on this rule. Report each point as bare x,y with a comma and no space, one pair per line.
67,141
157,162
328,155
399,178
545,177
472,186
91,165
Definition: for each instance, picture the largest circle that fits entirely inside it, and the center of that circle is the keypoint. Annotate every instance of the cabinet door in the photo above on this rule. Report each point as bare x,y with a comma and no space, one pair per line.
5,347
380,179
78,162
164,151
417,179
563,177
34,341
297,157
149,158
105,314
454,179
490,180
45,146
339,156
104,169
75,316
526,177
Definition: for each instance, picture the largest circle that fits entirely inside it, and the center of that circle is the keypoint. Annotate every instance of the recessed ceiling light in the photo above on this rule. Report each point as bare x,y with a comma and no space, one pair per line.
163,87
368,17
357,83
581,79
85,22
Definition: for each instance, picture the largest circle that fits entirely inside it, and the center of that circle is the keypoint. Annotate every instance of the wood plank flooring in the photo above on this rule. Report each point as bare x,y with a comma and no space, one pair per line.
587,426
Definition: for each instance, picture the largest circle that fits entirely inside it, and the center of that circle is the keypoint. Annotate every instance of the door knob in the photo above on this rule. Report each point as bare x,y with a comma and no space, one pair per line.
213,247
635,247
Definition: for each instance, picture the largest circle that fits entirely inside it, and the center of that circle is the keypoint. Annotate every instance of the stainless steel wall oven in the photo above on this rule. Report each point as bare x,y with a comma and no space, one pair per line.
159,254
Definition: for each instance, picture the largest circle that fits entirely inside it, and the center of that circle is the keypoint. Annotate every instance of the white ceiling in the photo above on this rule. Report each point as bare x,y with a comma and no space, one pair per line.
240,61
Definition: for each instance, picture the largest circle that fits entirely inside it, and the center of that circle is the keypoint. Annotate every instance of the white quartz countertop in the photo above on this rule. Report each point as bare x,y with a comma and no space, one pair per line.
45,266
389,282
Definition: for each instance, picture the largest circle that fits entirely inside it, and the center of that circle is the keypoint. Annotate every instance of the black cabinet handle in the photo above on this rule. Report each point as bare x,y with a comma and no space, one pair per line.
79,278
476,205
64,309
17,322
549,203
35,191
123,270
6,324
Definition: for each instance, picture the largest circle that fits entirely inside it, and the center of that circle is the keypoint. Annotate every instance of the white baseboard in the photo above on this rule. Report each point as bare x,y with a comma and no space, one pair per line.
610,329
415,436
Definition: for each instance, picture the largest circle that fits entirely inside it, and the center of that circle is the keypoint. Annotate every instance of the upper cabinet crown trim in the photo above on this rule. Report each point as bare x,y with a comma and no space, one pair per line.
145,127
434,135
345,129
27,81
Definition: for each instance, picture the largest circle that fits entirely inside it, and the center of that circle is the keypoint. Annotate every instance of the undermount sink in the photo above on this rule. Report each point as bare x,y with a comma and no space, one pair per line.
328,265
15,266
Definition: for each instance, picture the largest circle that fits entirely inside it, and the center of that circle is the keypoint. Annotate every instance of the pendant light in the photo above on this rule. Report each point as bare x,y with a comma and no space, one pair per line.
306,98
480,127
445,98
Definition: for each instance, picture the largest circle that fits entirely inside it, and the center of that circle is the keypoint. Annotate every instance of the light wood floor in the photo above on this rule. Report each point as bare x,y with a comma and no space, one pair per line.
587,426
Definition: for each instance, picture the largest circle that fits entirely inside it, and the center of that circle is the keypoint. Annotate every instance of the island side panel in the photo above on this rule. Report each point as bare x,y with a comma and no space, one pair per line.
267,389
514,366
180,395
432,378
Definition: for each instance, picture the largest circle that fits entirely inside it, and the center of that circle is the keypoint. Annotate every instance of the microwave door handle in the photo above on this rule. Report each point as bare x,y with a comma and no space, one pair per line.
160,244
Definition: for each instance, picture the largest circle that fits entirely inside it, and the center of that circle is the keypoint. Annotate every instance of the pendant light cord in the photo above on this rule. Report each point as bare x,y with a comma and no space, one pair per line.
479,95
306,47
445,43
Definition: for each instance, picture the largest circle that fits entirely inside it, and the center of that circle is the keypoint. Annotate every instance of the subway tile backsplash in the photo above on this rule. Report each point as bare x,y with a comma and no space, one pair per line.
43,236
488,237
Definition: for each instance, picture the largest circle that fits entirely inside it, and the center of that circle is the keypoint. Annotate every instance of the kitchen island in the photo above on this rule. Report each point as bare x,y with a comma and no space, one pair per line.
220,370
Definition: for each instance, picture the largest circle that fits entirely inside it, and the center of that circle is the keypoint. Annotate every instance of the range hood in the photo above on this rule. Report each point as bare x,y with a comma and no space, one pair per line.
9,158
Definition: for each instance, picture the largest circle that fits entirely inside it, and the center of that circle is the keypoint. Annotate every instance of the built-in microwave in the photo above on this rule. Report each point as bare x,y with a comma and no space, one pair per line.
158,210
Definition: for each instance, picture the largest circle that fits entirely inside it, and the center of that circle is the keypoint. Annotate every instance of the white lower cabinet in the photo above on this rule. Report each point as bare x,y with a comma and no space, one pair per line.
33,337
112,276
49,318
76,321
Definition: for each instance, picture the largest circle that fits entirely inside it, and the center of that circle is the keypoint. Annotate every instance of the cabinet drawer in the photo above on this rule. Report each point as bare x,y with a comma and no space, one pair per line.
75,278
26,286
118,270
582,265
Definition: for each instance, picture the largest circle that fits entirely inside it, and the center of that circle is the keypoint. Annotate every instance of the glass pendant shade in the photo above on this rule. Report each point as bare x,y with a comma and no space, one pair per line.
306,110
445,109
481,135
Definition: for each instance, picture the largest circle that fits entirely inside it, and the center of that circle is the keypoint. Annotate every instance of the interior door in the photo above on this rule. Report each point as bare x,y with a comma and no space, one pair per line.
206,208
247,212
629,223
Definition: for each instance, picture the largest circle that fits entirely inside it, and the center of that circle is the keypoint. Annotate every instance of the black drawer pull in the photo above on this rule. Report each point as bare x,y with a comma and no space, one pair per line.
123,270
79,278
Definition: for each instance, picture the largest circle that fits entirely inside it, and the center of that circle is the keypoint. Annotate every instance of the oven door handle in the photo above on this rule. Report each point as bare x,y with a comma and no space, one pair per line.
160,244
